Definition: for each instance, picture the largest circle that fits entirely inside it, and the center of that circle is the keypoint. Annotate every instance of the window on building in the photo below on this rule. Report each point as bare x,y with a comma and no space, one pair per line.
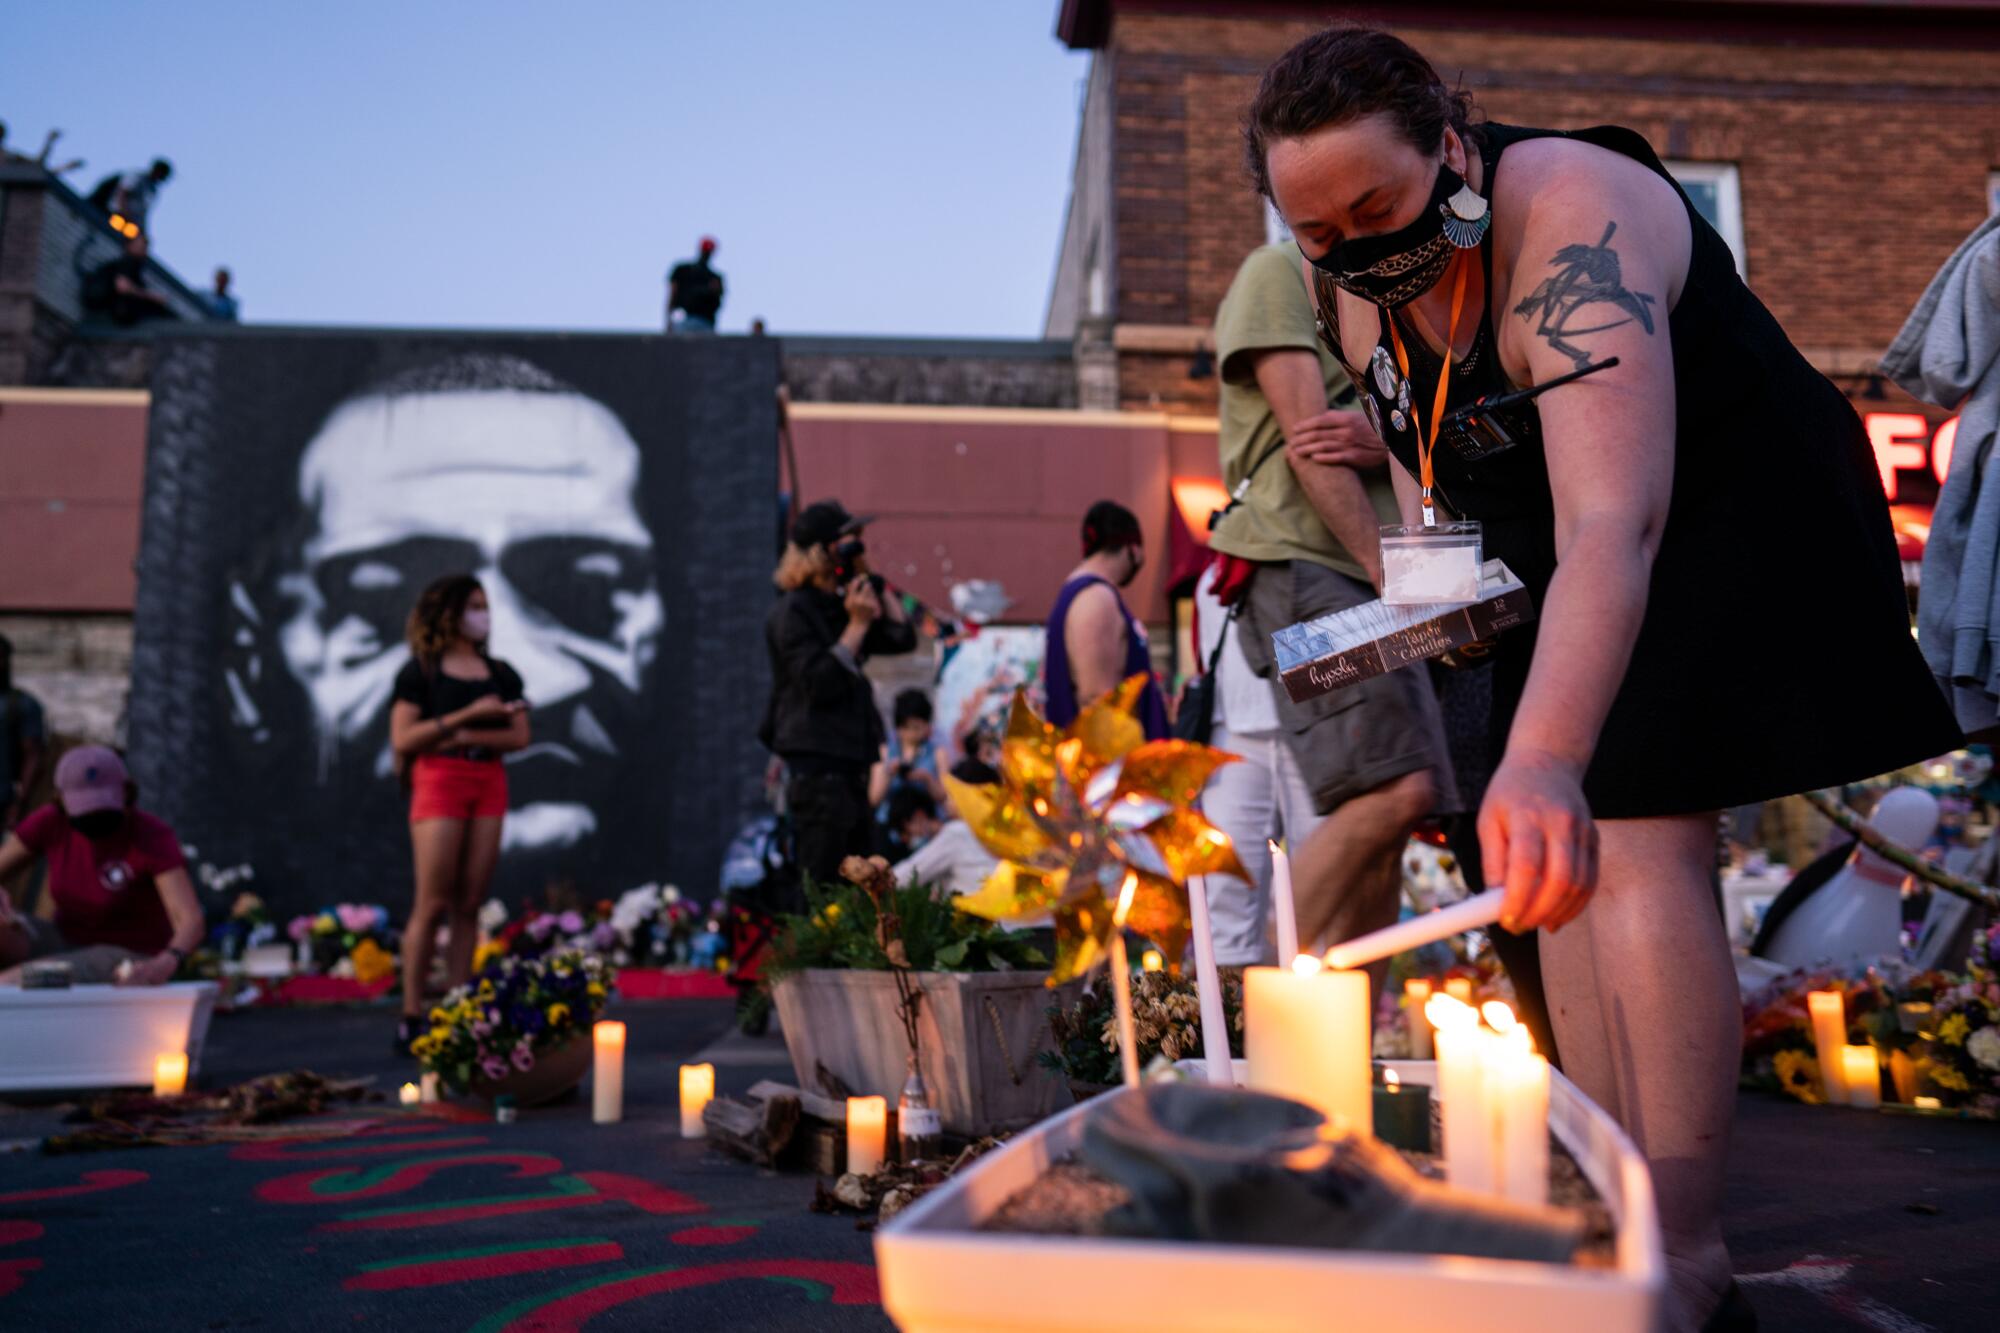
1275,230
1993,194
1095,292
1712,187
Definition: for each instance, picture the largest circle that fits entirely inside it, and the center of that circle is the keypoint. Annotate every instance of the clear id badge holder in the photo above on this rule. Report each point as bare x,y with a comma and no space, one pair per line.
1431,564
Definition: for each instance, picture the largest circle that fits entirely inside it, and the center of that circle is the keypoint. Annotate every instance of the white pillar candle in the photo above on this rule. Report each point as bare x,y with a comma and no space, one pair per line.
697,1088
867,1134
1283,909
1862,1073
1306,1036
1415,1023
1517,1090
1208,989
170,1074
410,1096
1468,1128
1480,910
607,1080
1829,1025
429,1088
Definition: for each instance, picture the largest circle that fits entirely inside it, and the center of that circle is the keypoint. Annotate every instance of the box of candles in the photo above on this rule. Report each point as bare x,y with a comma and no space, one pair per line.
944,1265
1331,652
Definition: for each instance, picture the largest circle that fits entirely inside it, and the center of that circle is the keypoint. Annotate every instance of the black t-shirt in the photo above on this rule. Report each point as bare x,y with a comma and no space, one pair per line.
697,288
436,694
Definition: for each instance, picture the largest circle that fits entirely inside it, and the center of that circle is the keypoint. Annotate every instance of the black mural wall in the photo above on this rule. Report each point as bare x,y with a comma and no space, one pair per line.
614,494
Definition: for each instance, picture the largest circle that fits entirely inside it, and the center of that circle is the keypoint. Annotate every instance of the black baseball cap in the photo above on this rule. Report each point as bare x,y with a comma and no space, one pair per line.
1110,526
826,521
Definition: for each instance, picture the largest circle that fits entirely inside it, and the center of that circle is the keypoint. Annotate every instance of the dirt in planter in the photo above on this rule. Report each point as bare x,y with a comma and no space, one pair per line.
1070,1199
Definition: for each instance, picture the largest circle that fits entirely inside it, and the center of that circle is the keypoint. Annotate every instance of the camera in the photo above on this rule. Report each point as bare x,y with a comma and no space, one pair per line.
847,561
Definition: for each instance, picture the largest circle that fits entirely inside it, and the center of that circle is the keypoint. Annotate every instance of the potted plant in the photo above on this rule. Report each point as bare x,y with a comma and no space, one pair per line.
1166,1018
521,1028
979,991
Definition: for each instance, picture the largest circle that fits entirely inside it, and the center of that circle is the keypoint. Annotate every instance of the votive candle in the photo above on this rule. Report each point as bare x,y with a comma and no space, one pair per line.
1829,1025
170,1074
429,1088
1151,961
1306,1036
410,1095
1459,988
867,1134
697,1089
1416,992
607,1082
1862,1074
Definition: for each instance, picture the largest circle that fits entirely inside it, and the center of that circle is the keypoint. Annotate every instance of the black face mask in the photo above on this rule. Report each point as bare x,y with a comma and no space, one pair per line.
98,824
1396,269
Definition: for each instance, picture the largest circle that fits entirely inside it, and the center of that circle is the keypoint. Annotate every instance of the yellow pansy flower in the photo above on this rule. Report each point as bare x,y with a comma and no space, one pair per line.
439,1016
558,1014
1954,1030
833,911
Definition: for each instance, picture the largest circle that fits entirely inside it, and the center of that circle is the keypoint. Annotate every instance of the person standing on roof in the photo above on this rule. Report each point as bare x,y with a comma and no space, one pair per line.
694,293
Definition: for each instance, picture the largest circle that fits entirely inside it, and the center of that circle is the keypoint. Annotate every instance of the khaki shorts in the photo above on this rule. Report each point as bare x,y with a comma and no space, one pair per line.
1352,740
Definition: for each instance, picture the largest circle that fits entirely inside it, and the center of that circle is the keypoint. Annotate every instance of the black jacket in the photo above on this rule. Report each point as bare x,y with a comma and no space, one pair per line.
821,706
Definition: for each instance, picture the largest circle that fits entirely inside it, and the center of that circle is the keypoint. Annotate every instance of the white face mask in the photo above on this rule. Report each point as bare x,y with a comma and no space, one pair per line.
476,625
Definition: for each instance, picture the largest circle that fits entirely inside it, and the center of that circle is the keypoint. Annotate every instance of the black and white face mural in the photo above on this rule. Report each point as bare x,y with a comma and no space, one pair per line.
583,512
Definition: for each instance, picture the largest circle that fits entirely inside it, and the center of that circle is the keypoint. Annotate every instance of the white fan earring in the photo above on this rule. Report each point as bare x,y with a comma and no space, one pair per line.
1466,216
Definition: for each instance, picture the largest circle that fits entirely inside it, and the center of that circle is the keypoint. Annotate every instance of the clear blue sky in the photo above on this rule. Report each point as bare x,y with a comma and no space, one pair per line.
869,166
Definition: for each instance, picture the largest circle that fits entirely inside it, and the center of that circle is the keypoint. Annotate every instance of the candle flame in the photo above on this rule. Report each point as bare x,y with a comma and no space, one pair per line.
1417,988
1305,965
1498,1016
1449,1014
1276,850
1151,961
1390,1081
1126,892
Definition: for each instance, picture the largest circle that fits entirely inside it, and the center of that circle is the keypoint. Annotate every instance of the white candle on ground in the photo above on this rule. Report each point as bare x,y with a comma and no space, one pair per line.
429,1088
1306,1036
1862,1073
607,1081
410,1095
867,1134
1468,1132
1418,1027
697,1089
1208,989
170,1074
1481,909
1829,1025
1283,908
1517,1091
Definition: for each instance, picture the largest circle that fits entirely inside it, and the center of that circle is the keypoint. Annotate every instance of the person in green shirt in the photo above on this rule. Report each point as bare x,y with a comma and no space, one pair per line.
1309,486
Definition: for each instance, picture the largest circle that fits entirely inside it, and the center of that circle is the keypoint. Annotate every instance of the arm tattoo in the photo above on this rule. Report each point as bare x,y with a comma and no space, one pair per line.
1585,275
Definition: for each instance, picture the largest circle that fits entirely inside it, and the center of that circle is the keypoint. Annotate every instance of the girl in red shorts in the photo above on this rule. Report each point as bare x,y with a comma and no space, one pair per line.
458,714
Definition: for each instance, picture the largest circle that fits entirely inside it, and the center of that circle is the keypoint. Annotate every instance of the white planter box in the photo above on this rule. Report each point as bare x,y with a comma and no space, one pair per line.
979,1033
939,1275
99,1036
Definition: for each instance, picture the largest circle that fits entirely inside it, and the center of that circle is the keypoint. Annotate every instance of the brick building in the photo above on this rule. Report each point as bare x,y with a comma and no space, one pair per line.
1845,149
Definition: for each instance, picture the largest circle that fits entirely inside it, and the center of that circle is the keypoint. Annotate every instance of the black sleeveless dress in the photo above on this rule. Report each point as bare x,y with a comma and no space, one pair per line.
1775,656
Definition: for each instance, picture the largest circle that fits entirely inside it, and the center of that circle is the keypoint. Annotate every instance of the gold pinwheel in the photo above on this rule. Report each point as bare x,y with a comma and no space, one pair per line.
1096,827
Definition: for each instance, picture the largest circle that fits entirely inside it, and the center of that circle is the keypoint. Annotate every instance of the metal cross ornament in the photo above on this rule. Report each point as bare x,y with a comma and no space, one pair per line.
1097,828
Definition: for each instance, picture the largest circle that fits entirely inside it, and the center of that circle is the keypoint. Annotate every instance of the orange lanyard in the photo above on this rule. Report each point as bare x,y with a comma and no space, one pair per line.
1427,449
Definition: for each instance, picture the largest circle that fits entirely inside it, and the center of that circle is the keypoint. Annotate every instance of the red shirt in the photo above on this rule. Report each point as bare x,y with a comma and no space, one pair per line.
105,892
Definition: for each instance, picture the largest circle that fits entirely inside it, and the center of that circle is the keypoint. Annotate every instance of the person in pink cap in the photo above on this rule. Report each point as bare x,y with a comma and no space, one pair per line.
125,909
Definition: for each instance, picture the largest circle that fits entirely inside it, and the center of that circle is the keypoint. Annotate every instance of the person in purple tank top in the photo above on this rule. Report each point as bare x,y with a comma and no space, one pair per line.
1094,642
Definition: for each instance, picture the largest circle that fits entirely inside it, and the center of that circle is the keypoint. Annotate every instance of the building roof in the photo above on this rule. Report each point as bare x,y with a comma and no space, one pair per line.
1086,24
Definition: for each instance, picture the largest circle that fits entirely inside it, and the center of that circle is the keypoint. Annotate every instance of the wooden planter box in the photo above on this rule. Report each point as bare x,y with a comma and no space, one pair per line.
89,1037
980,1033
940,1274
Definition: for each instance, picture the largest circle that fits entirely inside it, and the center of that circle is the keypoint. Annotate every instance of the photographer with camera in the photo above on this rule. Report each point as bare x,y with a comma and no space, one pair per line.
832,617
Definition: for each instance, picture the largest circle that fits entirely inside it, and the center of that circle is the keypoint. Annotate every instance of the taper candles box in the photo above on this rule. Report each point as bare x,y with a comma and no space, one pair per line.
1330,652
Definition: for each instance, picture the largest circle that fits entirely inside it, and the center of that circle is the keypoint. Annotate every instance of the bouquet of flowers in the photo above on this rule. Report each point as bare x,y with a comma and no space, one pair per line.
538,931
247,926
1960,1053
331,940
515,1010
654,927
